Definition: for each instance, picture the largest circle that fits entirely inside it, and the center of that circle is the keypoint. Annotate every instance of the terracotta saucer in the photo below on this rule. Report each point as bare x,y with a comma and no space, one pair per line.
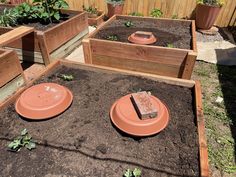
142,37
124,117
43,101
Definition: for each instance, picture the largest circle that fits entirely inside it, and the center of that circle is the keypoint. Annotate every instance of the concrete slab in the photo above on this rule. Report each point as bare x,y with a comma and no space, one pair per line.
78,54
218,52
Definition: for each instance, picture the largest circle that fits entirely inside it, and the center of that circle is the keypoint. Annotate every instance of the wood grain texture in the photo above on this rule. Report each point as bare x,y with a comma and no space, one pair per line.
180,8
14,34
9,66
98,20
204,166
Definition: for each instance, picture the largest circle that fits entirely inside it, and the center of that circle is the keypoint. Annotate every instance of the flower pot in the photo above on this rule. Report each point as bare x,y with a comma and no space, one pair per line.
206,16
114,9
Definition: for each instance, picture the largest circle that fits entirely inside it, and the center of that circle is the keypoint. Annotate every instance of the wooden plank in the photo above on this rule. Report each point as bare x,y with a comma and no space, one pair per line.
194,36
138,65
66,30
189,65
43,47
9,66
157,54
204,166
166,79
15,34
11,87
69,46
87,51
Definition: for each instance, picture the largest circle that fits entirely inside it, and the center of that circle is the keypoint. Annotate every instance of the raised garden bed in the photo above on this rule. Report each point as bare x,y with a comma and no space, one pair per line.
82,141
96,20
52,41
158,58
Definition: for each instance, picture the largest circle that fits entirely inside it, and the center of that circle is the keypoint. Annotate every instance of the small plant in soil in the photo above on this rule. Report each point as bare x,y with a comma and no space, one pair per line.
170,45
24,140
135,173
112,37
92,11
156,13
66,77
129,24
138,14
8,18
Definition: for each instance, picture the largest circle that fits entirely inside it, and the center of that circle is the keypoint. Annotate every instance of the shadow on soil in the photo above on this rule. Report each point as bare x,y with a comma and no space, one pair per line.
227,79
45,144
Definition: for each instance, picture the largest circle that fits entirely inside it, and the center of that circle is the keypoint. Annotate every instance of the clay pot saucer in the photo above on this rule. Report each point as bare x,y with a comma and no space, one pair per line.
142,37
43,101
124,117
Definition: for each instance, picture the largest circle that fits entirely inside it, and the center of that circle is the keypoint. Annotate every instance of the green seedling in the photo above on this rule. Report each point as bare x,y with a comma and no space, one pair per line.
129,24
135,173
24,140
66,77
170,45
175,16
112,37
156,13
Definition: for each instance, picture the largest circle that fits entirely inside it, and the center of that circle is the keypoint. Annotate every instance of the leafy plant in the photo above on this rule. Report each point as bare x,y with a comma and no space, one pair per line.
135,173
211,2
8,18
91,10
129,24
170,45
49,10
115,2
24,140
25,12
156,13
138,14
66,77
3,1
112,37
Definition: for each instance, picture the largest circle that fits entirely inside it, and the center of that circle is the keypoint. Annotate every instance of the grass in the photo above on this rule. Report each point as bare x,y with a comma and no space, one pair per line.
219,82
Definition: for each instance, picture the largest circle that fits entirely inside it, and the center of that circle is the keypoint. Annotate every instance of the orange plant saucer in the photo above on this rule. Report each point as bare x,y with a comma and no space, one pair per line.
125,117
142,37
43,101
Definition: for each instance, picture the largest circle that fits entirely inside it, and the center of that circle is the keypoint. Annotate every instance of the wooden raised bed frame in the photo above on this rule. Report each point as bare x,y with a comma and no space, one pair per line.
165,61
98,20
203,153
55,42
12,75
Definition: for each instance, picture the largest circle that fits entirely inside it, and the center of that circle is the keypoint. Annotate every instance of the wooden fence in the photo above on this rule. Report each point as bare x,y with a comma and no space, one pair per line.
179,8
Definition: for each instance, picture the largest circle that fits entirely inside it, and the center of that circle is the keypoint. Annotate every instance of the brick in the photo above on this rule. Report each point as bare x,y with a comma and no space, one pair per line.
143,105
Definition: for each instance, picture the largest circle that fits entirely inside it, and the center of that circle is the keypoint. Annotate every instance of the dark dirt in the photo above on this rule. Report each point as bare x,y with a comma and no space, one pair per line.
82,141
176,33
42,26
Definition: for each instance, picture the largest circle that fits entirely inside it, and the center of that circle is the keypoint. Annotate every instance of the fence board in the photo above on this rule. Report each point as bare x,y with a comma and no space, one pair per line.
181,8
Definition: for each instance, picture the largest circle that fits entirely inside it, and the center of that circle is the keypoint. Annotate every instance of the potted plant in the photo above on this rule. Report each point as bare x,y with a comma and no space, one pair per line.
115,7
95,16
207,12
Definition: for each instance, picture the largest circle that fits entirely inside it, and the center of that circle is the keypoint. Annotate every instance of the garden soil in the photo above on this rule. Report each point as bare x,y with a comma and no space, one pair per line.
82,142
176,33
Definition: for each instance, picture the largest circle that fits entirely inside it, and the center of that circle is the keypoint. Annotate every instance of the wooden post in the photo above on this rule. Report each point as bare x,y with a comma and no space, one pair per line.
87,51
189,65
